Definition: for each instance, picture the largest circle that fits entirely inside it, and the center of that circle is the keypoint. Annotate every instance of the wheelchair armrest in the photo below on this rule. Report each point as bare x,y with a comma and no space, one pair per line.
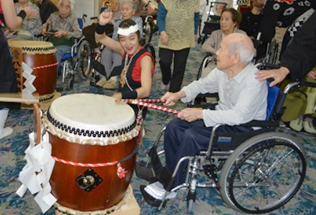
308,84
261,123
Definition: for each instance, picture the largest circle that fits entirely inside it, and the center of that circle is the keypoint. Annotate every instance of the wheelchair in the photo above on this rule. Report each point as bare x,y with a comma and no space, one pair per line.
254,172
78,61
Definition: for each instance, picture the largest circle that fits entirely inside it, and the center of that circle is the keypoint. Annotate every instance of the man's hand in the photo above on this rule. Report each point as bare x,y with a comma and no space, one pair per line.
170,99
105,17
277,74
164,38
190,114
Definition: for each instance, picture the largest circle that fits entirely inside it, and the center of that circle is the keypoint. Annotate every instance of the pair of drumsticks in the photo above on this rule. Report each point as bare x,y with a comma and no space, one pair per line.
148,103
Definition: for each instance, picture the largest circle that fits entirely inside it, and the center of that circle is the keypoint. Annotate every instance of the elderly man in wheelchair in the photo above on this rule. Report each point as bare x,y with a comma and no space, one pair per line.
215,140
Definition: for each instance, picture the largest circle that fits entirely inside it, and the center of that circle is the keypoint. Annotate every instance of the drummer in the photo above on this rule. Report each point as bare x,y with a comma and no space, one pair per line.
137,63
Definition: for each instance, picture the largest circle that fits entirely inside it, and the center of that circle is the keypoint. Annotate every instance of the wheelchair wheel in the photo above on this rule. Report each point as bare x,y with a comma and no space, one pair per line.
263,173
85,60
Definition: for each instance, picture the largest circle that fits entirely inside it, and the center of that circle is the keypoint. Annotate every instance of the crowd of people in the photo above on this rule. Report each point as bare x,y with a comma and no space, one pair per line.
241,87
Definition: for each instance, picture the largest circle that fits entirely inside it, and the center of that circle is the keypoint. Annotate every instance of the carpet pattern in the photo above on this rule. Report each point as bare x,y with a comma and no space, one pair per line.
208,200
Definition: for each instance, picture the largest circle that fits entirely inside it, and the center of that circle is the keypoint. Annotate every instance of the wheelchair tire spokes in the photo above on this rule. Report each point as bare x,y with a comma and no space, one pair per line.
85,60
270,170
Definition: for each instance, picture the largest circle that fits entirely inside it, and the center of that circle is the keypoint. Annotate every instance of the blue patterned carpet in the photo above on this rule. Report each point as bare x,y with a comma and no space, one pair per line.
208,200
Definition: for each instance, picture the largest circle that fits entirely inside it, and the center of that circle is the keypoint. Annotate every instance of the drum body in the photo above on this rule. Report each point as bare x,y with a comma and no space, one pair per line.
86,131
40,56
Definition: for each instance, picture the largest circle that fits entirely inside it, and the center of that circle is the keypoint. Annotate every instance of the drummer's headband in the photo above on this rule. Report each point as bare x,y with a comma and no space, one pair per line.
127,31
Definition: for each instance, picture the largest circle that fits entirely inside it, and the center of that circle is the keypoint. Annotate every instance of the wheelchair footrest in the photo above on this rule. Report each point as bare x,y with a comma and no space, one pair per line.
151,200
144,171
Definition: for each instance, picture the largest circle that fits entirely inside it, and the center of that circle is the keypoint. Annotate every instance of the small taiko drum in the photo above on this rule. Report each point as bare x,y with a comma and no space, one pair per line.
94,144
40,57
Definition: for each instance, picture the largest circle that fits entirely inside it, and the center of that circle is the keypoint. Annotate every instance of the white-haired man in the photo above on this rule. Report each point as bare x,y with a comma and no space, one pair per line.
63,27
242,98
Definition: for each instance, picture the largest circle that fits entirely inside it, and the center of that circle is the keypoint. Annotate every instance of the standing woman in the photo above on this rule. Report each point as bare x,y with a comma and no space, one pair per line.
178,22
8,83
137,63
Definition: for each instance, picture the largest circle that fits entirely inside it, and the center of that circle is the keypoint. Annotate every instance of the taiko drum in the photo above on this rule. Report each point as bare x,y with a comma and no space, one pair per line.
94,144
40,56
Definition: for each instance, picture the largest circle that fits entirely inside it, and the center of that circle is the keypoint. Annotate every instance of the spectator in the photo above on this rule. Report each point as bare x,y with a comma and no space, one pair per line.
63,26
30,26
251,20
177,36
251,24
137,63
9,19
242,98
285,14
229,21
46,8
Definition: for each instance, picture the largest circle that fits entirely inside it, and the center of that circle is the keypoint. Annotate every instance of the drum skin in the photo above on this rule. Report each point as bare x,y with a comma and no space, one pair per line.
109,192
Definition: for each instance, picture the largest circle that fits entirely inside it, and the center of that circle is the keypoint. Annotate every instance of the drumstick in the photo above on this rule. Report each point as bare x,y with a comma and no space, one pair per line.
8,97
141,100
164,109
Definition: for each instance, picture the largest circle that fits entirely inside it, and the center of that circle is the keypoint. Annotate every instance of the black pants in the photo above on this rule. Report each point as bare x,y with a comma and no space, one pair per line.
179,58
8,82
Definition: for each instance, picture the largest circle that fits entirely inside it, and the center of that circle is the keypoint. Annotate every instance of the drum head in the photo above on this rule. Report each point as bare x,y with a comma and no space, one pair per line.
91,118
33,47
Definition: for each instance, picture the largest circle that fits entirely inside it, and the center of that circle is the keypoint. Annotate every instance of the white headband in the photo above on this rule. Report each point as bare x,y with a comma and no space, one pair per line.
128,31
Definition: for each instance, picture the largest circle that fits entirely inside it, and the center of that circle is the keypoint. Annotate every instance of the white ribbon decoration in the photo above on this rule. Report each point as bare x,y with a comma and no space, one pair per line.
36,173
29,79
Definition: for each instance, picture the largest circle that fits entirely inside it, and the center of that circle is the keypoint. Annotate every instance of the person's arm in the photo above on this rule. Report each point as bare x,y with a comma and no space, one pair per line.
196,22
11,19
161,18
146,65
209,45
104,18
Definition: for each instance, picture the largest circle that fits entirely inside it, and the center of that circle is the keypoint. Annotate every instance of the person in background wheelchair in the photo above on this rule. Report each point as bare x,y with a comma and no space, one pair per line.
242,98
63,27
229,21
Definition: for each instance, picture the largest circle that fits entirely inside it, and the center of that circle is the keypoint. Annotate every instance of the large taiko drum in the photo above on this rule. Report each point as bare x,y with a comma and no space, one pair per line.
94,144
40,57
